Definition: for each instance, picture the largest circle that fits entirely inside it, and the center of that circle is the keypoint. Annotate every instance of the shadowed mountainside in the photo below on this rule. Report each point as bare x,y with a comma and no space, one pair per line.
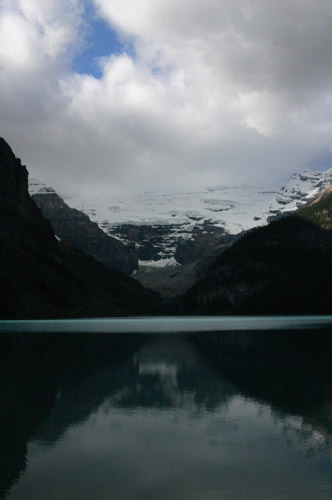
76,229
41,278
282,268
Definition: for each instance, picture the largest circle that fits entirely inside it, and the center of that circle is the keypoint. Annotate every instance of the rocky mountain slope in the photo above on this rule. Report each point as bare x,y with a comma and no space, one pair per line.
159,223
300,189
41,277
283,268
76,229
176,236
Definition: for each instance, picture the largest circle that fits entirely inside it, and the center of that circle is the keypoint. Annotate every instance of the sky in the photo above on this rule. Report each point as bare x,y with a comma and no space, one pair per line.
101,96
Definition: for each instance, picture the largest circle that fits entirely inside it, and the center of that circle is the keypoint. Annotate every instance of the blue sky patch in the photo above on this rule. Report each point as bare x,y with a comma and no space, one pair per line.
101,41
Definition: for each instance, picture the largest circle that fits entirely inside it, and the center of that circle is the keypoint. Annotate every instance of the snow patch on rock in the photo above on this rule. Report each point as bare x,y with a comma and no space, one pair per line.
171,262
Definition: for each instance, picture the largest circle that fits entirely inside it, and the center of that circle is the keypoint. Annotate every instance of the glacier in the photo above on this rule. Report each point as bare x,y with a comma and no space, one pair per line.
175,217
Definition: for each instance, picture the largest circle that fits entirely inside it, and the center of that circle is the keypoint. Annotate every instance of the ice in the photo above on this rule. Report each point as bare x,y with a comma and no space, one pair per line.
159,263
233,208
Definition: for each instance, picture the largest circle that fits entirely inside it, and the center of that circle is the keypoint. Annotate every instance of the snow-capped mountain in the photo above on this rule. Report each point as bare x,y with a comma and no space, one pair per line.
37,187
232,208
300,189
176,236
158,224
178,215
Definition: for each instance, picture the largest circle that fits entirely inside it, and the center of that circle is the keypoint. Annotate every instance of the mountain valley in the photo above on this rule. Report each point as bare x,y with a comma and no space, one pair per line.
168,241
57,262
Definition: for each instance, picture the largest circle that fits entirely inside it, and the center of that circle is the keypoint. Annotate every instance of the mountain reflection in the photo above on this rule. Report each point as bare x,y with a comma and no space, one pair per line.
50,388
163,373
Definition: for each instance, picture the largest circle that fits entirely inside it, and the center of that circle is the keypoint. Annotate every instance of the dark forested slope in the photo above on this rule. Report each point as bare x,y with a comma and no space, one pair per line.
282,268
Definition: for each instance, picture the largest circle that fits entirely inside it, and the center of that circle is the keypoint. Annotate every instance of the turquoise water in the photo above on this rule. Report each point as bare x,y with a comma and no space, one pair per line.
231,415
168,324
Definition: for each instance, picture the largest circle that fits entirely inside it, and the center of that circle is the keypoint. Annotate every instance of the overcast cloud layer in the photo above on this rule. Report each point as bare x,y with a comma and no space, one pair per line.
210,92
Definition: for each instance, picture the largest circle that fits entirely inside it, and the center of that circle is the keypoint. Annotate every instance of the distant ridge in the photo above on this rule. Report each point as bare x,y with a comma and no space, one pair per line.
75,228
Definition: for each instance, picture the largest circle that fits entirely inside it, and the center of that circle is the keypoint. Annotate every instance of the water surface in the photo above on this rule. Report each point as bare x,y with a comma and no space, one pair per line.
168,324
228,415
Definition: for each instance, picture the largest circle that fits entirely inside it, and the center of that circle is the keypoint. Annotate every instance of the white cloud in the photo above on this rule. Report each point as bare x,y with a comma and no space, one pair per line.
217,90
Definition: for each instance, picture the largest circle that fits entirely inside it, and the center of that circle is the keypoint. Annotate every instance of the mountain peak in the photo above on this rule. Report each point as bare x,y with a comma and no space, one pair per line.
38,187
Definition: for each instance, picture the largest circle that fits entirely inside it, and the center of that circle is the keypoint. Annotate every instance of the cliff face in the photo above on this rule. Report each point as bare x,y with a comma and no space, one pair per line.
21,219
76,229
283,268
40,277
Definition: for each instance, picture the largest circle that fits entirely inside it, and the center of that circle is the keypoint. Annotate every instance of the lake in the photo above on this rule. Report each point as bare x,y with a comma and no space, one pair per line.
240,413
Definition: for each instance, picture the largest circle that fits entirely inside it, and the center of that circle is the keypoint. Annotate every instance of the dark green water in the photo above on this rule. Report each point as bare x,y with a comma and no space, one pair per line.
228,415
